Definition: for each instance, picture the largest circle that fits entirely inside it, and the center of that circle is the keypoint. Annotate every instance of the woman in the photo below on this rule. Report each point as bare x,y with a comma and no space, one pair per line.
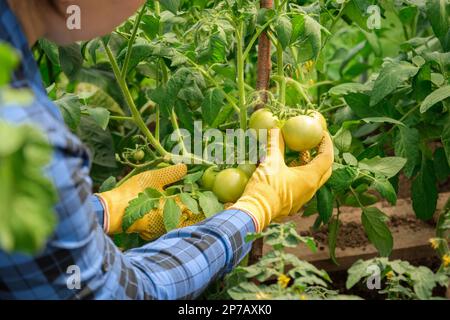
180,264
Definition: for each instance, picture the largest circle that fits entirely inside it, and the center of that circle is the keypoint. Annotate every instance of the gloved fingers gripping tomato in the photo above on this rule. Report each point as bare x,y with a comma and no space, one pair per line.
276,190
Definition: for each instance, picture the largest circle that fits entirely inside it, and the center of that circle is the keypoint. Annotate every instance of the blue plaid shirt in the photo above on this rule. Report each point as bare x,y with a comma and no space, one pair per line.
180,265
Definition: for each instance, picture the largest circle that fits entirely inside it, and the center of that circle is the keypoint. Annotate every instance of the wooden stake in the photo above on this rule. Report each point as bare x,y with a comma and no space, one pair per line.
264,62
262,85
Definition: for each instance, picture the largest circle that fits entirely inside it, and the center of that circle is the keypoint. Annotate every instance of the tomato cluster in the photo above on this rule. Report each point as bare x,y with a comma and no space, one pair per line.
301,132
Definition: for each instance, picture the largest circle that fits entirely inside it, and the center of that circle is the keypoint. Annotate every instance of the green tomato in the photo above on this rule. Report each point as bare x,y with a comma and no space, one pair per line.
263,119
230,185
317,115
248,168
208,178
302,133
139,155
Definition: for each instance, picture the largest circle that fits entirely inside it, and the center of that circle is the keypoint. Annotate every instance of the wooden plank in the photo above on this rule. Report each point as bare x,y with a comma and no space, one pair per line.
410,242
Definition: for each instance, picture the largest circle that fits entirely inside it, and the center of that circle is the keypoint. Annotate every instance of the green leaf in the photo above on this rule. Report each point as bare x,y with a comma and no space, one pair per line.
193,177
382,120
350,159
215,49
139,207
436,96
307,32
343,140
424,192
408,14
333,231
211,106
359,104
108,184
150,25
440,58
445,138
437,12
374,223
99,142
346,88
441,166
357,272
325,203
283,28
342,178
70,107
189,202
51,51
171,5
140,52
385,188
387,167
100,116
209,203
172,215
424,282
27,197
391,76
100,99
71,59
404,144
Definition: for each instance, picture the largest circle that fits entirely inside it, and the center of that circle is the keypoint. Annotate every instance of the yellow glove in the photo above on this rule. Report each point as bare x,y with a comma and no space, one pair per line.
151,226
276,190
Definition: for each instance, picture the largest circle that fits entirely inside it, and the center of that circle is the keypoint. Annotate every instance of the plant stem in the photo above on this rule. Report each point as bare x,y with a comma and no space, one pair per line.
300,90
119,118
332,108
131,42
176,127
215,83
134,110
406,115
255,37
357,198
157,123
241,78
280,73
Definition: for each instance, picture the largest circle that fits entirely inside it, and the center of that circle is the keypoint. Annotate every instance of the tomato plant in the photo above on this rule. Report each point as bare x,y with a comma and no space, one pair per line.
377,80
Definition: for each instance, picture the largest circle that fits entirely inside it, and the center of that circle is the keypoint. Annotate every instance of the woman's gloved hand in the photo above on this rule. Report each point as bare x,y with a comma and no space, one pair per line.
276,190
151,226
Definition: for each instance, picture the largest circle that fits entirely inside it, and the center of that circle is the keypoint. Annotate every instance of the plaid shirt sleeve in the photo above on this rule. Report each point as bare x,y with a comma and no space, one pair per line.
80,261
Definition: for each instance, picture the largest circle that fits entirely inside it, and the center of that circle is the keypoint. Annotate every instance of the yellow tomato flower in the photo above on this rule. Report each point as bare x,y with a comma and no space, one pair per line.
283,280
390,275
446,260
303,297
309,65
311,82
434,243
